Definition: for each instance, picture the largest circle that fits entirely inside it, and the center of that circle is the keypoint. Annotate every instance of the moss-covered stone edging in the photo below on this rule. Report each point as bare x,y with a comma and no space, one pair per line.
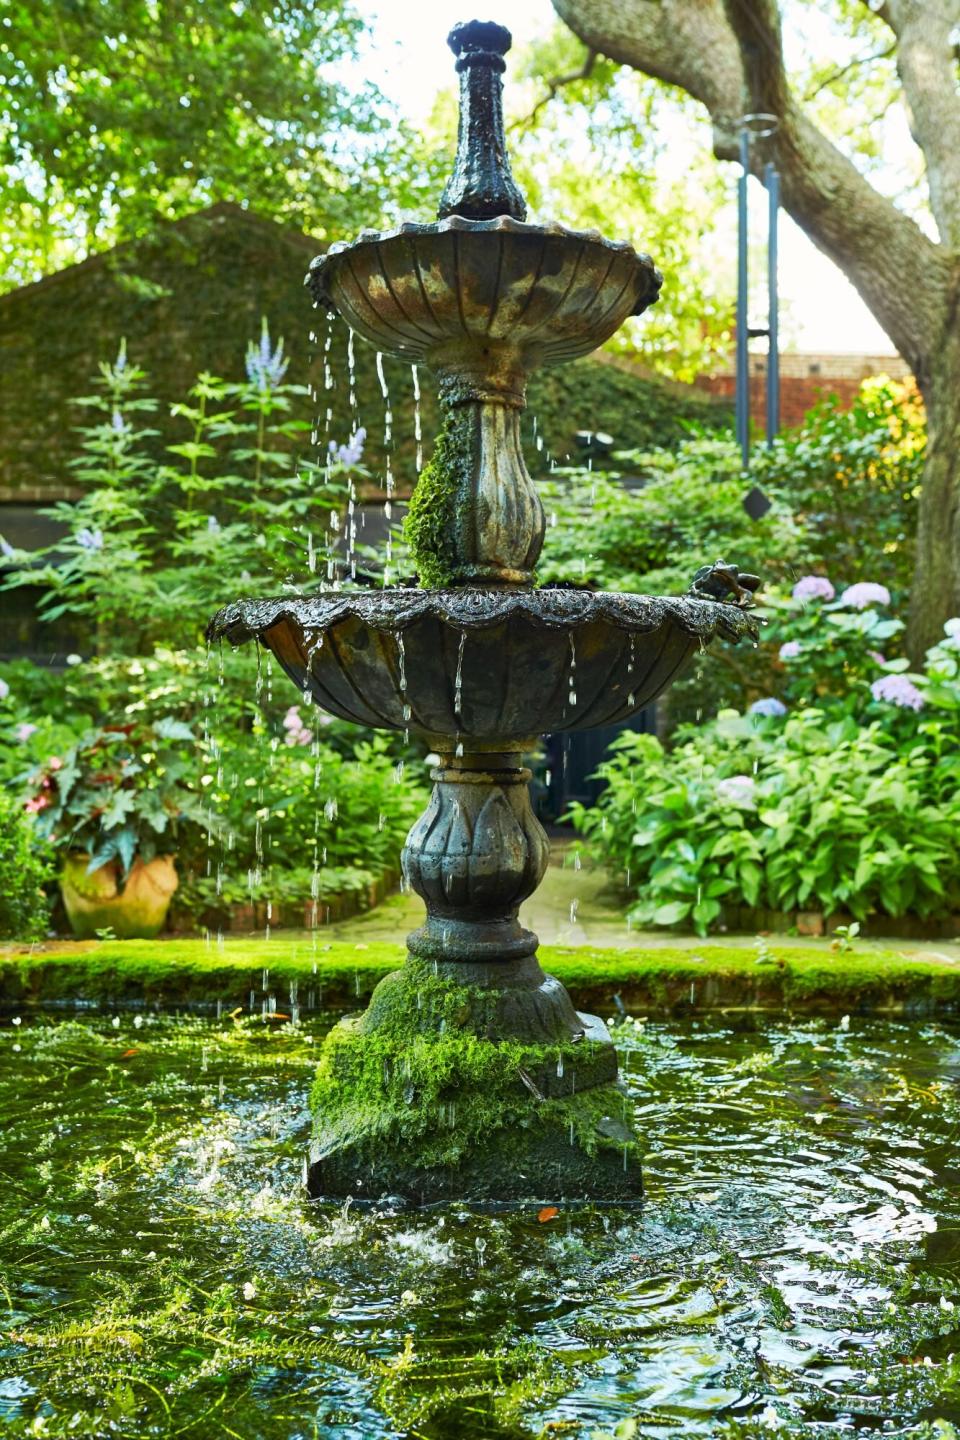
655,981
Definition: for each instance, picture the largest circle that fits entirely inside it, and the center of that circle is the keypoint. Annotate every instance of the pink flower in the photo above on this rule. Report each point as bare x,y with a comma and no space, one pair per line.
24,731
864,594
297,732
875,655
39,802
790,649
897,690
813,587
55,762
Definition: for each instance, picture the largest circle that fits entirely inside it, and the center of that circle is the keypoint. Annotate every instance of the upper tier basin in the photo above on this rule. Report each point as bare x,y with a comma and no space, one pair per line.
493,298
495,668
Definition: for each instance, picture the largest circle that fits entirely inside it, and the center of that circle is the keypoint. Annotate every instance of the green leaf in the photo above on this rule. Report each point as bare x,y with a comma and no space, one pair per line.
671,913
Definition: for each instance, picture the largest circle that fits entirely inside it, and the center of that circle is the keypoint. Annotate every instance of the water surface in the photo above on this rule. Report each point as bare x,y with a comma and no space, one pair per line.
794,1266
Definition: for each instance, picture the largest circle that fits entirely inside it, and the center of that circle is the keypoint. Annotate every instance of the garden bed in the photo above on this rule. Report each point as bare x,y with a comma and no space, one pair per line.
341,894
272,976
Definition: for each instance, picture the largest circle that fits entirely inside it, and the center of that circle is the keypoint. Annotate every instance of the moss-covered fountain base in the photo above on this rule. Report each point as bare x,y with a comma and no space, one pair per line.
413,1099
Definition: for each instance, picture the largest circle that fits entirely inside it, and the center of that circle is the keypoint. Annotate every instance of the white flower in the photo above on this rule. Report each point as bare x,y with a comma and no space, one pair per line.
249,1290
769,1418
74,659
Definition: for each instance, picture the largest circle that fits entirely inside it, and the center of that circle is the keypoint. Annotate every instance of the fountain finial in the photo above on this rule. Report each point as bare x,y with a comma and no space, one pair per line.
481,186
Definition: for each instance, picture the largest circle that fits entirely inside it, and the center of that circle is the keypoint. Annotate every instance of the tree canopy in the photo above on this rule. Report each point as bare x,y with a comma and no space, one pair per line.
114,113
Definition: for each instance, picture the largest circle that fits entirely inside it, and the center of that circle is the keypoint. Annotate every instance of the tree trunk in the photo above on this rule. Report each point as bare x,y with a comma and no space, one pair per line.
935,593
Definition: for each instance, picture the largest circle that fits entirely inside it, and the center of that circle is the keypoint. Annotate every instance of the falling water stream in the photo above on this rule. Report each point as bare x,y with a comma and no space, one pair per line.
794,1265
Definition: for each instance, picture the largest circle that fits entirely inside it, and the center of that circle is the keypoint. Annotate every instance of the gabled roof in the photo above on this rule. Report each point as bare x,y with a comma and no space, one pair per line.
222,210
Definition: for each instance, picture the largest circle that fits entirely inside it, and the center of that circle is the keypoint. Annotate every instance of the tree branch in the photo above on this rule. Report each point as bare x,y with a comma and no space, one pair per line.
901,274
555,83
843,70
927,66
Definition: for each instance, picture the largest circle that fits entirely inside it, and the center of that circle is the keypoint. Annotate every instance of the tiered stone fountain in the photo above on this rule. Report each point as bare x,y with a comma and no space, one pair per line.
472,1074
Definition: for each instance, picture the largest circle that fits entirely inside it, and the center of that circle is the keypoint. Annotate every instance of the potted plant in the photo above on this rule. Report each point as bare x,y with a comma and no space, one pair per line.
113,805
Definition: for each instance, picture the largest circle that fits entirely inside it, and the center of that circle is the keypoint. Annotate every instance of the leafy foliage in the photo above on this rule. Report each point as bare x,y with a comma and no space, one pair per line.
852,478
276,802
118,114
818,808
152,550
687,511
25,869
120,793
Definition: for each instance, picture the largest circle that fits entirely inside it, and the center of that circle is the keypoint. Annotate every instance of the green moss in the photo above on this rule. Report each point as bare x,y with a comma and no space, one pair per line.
428,1091
673,978
435,514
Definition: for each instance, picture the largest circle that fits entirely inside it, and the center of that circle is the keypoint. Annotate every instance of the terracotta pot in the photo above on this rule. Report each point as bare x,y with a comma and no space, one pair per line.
134,911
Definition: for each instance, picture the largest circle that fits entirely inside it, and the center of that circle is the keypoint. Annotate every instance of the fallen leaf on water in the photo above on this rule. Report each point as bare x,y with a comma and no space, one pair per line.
549,1212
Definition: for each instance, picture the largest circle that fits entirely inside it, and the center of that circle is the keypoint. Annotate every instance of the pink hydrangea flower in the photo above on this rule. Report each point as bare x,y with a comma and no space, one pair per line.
813,587
897,690
865,593
790,649
297,732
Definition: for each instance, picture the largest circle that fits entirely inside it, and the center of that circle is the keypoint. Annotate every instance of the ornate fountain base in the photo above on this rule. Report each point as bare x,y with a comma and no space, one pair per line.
472,1075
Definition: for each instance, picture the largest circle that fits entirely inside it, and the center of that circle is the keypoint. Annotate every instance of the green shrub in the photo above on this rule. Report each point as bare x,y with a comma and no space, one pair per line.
851,478
849,805
806,812
25,868
688,513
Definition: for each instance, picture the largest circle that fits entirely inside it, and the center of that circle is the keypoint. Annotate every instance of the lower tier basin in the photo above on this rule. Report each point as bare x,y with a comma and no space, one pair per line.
483,665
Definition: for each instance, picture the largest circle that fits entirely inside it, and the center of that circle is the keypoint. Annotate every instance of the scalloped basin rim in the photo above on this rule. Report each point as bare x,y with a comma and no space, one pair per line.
473,609
316,275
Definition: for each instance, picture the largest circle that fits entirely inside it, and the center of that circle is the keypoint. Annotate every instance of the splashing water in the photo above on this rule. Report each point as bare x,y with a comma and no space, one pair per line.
458,677
417,431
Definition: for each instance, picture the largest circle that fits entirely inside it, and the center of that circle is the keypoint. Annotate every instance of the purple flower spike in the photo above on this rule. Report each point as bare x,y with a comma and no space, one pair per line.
864,594
768,706
813,587
352,452
90,539
24,731
897,690
265,369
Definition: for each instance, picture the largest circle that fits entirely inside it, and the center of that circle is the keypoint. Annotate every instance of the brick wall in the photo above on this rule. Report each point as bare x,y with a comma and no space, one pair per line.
805,379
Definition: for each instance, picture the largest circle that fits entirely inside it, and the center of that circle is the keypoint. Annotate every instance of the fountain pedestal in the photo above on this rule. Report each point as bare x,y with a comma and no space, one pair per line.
472,1075
471,1071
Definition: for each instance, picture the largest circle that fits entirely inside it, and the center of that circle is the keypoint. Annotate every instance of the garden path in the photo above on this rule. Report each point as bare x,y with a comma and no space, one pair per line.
578,906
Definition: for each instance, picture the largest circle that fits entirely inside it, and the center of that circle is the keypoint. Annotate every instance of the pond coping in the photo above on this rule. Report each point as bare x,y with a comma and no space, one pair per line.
660,981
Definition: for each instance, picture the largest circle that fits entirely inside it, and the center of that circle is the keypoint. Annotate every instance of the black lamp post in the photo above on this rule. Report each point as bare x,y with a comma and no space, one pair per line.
756,127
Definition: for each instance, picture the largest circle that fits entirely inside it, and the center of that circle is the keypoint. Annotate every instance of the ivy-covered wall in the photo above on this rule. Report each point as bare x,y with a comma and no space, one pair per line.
191,296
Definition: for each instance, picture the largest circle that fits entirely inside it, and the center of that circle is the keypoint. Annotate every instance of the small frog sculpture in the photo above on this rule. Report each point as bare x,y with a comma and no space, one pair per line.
728,583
